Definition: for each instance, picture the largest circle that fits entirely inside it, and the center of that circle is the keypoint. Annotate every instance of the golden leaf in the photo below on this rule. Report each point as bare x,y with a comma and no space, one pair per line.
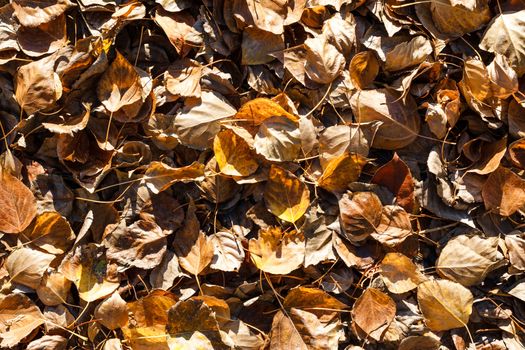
341,171
234,156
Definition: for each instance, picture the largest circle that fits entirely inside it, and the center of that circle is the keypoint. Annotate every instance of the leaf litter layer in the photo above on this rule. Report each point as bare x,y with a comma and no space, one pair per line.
273,174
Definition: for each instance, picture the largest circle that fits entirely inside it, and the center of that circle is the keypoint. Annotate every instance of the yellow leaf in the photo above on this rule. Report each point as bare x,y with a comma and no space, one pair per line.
254,112
234,156
277,252
341,171
160,176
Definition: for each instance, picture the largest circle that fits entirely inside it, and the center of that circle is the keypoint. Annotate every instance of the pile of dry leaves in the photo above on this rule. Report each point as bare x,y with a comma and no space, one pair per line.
262,174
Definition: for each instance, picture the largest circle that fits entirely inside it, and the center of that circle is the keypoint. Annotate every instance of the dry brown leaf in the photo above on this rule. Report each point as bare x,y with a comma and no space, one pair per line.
178,27
193,248
159,176
17,204
400,274
503,192
324,62
341,171
394,227
373,312
141,244
444,304
400,119
254,112
475,83
38,87
19,316
257,45
120,85
278,139
456,18
277,252
478,257
503,78
189,317
183,77
408,54
195,126
359,214
112,312
313,300
44,39
233,154
364,68
396,176
27,266
285,195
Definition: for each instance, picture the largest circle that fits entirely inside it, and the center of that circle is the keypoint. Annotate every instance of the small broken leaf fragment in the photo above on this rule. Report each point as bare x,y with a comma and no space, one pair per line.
285,195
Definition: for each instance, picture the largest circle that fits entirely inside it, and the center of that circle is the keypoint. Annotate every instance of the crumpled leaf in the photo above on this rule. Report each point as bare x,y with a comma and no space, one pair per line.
160,176
444,304
31,14
141,244
285,195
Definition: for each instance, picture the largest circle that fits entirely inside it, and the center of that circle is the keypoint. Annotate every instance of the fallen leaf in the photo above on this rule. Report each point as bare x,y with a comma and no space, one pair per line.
456,18
397,177
233,154
120,85
400,119
112,312
408,54
364,68
228,253
444,304
479,256
503,192
359,214
341,171
30,14
394,227
373,312
19,316
277,252
254,112
27,266
54,288
278,139
400,274
50,232
285,195
504,35
323,61
159,176
17,204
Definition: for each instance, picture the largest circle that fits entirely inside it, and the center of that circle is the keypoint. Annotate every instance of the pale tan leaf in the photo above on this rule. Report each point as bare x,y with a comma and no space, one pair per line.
160,176
408,54
324,62
112,312
27,266
228,252
278,139
505,35
359,214
478,257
